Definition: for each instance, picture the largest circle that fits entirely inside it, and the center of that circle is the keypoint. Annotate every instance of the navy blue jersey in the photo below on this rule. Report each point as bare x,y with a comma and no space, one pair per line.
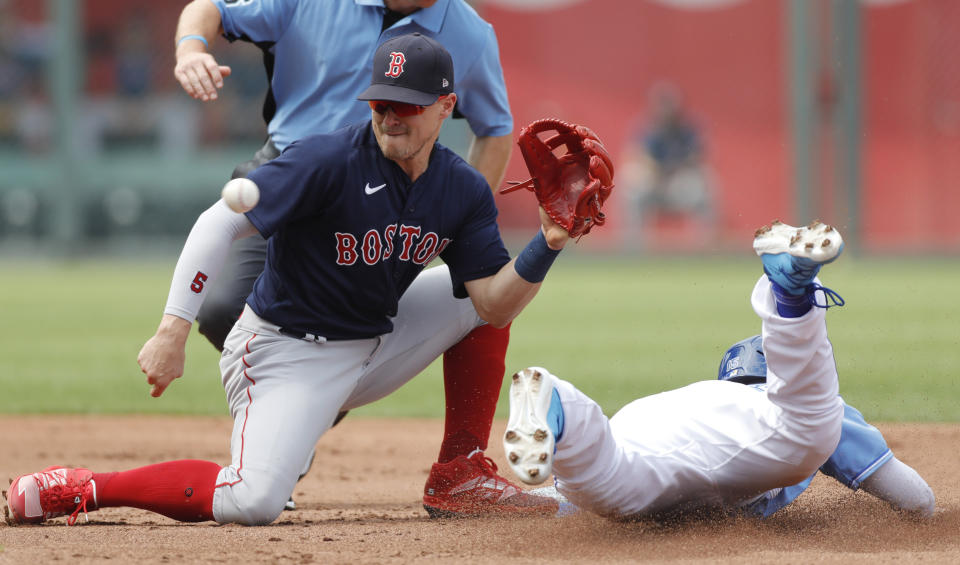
349,232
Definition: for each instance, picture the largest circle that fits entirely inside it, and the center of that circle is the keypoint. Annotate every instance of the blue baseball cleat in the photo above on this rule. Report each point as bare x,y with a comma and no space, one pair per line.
792,257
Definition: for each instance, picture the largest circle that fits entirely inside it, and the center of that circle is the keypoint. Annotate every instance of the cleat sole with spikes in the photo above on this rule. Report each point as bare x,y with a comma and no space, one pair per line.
817,242
528,442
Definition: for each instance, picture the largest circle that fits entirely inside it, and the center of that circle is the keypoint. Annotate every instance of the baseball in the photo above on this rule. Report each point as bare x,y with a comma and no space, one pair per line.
241,195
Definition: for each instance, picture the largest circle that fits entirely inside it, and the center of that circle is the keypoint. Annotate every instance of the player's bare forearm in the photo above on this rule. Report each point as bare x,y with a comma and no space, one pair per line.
500,298
162,357
490,156
199,17
196,70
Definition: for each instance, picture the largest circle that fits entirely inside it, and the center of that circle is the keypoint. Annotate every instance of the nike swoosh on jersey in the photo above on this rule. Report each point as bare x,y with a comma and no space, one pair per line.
372,189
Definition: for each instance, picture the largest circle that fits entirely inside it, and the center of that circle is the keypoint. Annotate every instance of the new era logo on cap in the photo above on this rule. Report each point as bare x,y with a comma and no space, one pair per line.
411,68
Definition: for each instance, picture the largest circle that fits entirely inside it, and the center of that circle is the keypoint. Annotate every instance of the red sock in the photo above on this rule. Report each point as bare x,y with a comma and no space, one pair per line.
472,375
182,490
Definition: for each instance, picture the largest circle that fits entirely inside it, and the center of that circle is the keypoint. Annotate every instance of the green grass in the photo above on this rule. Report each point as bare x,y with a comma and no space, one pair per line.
617,328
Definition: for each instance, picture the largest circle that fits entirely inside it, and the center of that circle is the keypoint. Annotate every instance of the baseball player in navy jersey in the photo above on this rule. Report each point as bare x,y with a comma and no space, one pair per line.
339,318
713,444
862,459
317,55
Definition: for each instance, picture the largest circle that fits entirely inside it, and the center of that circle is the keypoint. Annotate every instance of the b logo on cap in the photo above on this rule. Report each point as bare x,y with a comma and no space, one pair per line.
397,61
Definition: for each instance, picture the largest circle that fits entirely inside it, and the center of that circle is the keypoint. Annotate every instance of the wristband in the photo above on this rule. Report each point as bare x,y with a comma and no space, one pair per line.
194,36
534,261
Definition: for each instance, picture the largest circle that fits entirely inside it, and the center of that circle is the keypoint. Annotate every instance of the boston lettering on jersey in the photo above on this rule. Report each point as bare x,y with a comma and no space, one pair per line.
374,247
349,231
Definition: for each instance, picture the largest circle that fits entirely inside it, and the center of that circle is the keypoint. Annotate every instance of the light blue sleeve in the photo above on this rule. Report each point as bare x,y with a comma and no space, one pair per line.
861,451
769,502
482,92
255,20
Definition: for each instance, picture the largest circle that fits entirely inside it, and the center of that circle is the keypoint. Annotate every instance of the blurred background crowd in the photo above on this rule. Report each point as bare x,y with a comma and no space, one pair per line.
721,115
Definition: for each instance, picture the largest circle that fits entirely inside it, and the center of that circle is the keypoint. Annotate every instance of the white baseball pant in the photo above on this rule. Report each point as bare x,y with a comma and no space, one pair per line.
284,393
712,443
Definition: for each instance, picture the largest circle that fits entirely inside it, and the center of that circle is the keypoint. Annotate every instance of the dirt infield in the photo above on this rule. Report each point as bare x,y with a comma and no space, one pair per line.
361,504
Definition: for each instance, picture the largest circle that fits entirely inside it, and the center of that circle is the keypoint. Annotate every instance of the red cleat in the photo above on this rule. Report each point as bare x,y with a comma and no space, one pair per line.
51,493
470,486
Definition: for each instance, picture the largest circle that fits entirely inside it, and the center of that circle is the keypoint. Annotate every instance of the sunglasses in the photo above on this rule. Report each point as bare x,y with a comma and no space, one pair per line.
401,109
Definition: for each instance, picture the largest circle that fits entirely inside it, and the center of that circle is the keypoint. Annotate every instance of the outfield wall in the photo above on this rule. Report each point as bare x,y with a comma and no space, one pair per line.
145,151
594,62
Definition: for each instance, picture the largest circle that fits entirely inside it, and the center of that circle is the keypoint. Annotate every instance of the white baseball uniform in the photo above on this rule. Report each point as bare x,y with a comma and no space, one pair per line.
712,443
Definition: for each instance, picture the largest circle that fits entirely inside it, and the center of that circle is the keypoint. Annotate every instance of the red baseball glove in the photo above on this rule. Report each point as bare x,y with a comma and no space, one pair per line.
572,186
